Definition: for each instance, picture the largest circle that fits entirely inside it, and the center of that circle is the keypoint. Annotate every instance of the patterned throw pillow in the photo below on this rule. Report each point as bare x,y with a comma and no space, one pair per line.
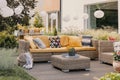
55,42
86,40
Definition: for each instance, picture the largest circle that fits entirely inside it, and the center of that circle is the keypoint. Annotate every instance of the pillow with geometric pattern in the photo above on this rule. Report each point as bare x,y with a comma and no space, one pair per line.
87,40
54,42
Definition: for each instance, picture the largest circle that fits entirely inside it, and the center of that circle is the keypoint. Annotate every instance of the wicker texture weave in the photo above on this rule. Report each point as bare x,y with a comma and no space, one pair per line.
46,56
106,51
70,63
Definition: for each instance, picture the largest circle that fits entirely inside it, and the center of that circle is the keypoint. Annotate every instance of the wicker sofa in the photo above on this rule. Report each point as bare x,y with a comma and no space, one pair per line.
45,54
106,51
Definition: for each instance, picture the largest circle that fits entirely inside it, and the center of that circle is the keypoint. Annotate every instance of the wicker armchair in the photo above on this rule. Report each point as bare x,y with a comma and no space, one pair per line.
106,51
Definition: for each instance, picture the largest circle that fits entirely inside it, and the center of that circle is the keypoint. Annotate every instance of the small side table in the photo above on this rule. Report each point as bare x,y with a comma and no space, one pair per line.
70,63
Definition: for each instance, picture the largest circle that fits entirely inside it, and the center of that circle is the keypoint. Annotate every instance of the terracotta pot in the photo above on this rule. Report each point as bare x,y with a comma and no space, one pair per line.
116,66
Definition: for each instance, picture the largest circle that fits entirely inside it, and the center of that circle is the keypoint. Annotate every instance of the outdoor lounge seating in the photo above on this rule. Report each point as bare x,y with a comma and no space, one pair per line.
45,54
106,51
70,63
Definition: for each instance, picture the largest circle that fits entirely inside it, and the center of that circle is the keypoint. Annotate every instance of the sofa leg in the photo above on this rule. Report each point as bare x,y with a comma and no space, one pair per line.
49,61
65,70
88,69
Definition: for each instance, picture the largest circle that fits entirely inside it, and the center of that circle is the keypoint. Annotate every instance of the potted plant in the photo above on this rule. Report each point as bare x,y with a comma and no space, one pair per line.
116,56
71,52
111,76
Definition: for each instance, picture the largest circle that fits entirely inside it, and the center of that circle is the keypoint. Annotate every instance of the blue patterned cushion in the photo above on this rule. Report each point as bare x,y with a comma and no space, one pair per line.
55,42
39,43
86,40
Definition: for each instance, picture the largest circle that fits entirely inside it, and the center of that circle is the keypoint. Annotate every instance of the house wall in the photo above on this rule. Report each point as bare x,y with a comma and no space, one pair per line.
69,10
73,8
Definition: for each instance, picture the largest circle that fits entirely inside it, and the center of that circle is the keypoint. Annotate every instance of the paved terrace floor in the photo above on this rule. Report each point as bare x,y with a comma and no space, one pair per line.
45,71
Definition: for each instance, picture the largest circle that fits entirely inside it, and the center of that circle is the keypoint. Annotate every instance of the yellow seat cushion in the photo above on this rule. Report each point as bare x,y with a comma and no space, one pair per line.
64,40
37,30
62,49
45,39
30,39
75,41
85,48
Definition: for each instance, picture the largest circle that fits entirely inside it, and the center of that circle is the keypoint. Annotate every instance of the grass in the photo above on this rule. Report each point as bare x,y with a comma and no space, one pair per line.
8,66
15,74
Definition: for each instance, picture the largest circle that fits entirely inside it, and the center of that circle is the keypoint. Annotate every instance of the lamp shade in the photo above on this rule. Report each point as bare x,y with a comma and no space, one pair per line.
99,14
43,13
6,11
19,9
3,3
53,16
85,16
66,18
76,17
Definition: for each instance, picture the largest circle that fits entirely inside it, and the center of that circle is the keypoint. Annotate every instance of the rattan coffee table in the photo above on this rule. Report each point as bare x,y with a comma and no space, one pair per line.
70,63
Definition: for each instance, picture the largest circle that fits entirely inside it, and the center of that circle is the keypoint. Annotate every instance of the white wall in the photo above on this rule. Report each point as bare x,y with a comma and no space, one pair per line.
76,7
72,8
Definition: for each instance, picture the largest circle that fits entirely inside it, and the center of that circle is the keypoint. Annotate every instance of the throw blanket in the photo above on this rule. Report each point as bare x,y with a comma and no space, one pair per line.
29,61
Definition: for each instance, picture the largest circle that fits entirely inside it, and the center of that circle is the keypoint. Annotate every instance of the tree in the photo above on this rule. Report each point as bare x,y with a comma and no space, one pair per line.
38,22
22,18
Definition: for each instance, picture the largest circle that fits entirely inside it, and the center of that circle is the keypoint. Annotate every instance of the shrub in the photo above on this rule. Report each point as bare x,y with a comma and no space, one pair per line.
7,40
38,22
55,32
101,34
111,76
7,59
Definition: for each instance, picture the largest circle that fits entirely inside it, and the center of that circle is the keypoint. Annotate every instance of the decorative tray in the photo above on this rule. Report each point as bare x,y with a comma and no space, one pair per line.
67,56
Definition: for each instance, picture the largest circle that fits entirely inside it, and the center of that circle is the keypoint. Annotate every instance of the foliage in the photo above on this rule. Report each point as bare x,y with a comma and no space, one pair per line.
16,73
111,76
38,22
7,40
22,18
116,57
55,32
8,68
7,59
101,34
71,52
71,30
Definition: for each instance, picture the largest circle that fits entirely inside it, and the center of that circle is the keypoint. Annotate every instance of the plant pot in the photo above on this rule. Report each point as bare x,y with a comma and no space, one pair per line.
116,66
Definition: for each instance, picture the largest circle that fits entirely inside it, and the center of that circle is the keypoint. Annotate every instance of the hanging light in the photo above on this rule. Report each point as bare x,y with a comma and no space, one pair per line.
31,13
53,16
66,18
99,14
6,11
43,13
19,9
85,16
3,3
76,17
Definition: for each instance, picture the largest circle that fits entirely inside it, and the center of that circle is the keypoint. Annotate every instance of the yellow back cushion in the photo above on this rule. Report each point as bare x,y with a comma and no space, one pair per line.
75,41
30,39
45,40
64,40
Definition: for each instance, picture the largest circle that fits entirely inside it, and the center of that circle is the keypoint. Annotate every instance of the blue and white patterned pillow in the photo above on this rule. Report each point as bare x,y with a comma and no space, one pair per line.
55,42
87,40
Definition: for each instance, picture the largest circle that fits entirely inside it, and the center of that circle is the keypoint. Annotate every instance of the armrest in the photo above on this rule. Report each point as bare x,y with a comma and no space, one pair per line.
95,44
24,46
105,46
